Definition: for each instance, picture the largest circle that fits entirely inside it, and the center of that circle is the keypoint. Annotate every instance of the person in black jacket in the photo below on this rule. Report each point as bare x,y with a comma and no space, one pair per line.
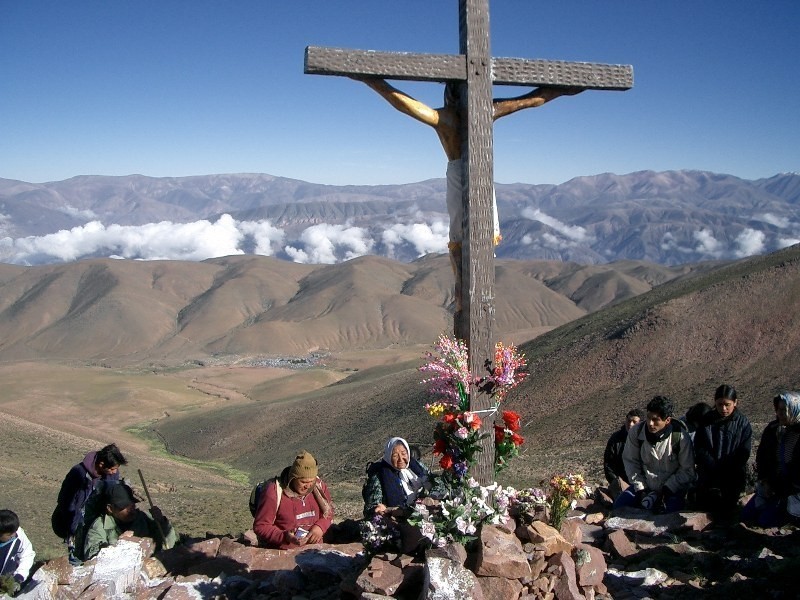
722,445
778,467
612,458
84,484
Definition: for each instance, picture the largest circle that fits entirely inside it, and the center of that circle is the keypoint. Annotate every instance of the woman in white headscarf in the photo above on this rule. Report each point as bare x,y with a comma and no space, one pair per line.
777,497
393,483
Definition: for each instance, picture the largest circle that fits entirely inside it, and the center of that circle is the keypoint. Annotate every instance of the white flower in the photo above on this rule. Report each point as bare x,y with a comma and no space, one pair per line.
428,529
461,433
465,526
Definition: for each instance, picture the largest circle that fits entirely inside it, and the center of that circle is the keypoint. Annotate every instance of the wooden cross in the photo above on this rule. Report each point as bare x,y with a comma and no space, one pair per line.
476,71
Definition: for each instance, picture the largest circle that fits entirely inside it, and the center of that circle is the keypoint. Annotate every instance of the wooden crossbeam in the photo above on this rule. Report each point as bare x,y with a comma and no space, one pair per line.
408,66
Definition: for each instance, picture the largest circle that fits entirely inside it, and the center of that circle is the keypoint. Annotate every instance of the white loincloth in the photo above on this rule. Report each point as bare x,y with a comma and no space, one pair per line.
455,205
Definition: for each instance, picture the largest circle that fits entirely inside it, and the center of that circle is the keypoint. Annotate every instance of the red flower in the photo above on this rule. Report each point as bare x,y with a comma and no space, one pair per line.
475,422
517,439
449,418
439,446
446,462
511,419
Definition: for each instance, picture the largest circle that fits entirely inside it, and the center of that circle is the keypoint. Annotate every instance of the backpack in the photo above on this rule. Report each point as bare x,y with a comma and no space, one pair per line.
675,438
257,494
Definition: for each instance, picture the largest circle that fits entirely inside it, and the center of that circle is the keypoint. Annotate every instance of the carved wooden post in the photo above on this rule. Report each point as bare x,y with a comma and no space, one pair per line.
478,247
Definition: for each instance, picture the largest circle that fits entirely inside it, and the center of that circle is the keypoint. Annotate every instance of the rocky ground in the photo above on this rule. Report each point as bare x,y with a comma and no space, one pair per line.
596,554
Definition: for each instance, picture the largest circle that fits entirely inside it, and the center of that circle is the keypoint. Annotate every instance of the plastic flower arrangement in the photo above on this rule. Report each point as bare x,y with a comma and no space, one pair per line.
457,440
458,518
565,490
457,435
379,534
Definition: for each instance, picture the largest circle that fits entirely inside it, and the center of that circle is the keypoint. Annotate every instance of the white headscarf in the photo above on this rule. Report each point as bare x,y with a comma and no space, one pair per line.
408,479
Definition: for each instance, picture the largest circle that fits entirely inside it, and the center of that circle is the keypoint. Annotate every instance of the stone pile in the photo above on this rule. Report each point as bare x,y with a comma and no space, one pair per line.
593,556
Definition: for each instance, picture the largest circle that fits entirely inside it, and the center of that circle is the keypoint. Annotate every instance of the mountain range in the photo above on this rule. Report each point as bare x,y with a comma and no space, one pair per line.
669,218
122,312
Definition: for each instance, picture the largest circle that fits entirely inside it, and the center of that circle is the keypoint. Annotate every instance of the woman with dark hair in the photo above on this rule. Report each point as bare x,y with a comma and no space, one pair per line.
722,447
777,466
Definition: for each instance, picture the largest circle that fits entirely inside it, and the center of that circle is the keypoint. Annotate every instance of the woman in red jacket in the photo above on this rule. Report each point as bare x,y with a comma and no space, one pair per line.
297,508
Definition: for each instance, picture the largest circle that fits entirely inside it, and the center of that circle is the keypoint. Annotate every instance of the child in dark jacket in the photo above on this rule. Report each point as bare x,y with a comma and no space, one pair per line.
722,446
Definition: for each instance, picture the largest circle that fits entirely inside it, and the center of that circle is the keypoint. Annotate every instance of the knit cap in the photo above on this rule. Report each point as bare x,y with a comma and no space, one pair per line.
303,467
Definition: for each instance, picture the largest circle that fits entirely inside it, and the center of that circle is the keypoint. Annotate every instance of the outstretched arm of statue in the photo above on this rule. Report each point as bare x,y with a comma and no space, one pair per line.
539,96
403,102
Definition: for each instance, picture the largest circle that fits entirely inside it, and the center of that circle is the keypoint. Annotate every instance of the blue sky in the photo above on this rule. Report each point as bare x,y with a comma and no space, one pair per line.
176,88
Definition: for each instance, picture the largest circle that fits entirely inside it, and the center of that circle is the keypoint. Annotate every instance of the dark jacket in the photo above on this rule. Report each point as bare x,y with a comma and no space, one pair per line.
612,458
76,488
721,449
383,485
782,477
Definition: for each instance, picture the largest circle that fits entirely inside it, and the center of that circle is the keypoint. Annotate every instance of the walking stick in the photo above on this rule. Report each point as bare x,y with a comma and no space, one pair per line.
150,500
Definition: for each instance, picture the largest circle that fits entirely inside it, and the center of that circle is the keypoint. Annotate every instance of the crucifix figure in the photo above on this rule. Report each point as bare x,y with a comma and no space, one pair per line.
471,111
446,122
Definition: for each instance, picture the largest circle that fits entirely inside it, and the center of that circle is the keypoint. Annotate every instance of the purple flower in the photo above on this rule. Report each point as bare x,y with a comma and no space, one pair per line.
460,468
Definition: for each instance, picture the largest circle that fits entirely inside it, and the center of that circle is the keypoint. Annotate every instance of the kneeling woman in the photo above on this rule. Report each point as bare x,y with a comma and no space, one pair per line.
297,508
393,483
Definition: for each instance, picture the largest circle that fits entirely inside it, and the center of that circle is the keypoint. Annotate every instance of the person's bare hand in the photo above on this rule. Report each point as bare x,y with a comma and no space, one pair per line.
380,509
314,536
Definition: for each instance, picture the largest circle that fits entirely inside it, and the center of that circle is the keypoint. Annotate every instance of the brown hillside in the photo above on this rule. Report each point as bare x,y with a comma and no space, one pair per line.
736,324
168,312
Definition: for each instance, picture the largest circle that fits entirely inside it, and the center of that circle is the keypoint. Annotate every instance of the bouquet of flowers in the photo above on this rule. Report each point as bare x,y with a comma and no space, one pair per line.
529,505
563,493
457,439
379,534
565,490
457,518
457,435
507,372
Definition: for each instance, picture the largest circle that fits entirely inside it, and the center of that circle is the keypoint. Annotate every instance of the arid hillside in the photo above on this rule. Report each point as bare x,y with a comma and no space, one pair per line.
116,312
155,357
736,325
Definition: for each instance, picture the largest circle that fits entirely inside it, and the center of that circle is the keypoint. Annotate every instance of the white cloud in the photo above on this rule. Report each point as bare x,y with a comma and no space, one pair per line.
551,241
668,242
265,236
83,214
153,241
423,237
708,244
749,242
573,232
328,244
781,222
786,242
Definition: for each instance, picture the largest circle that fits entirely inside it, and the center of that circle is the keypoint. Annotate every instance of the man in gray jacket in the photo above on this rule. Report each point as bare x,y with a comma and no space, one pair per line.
659,461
